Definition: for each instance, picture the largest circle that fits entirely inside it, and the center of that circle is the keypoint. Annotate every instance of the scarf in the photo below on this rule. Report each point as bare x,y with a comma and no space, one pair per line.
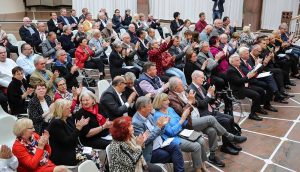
100,118
31,147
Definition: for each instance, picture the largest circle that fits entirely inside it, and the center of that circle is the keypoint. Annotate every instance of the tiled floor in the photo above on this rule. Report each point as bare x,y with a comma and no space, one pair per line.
273,145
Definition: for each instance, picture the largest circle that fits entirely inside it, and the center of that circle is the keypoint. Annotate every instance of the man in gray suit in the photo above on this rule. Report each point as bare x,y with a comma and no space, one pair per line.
50,46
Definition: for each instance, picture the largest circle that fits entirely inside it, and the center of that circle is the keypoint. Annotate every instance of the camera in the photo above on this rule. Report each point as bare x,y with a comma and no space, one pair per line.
226,96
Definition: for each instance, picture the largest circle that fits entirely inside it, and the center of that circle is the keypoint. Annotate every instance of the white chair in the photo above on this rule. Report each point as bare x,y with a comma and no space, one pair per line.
19,44
7,123
74,32
122,31
102,86
108,51
165,30
192,27
108,154
157,35
12,39
88,166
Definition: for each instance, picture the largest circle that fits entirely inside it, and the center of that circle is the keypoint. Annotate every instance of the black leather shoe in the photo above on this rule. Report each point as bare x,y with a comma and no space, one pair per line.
280,101
286,94
229,150
216,161
296,76
261,111
291,84
287,87
234,146
271,108
255,117
239,139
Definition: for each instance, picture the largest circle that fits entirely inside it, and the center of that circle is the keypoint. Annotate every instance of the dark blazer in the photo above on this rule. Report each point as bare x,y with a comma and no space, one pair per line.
110,104
37,41
72,19
127,20
189,68
94,141
26,36
115,63
174,26
202,101
236,81
133,37
63,141
220,5
142,52
61,20
65,72
35,112
52,27
179,60
14,95
66,42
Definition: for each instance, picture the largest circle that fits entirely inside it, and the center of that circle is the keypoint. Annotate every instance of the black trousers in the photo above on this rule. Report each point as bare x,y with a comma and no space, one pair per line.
252,94
95,64
3,101
278,76
227,122
218,82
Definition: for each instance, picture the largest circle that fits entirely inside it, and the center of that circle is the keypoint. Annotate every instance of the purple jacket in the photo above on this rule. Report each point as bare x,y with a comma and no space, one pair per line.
223,62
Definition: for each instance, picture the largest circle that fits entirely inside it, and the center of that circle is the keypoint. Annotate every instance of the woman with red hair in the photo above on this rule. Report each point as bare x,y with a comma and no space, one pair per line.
126,149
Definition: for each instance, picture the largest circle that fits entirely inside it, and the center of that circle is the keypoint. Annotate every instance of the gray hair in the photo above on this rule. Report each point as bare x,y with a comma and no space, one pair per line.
37,59
231,58
283,26
96,31
243,49
66,27
196,74
255,47
142,102
130,76
2,48
173,82
87,92
117,80
57,80
124,34
59,52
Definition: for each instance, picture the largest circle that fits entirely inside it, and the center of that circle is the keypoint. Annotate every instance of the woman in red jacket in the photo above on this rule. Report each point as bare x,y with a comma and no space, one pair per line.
32,150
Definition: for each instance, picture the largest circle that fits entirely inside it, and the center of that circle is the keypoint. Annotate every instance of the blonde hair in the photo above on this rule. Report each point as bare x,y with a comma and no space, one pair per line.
159,98
21,125
246,29
57,108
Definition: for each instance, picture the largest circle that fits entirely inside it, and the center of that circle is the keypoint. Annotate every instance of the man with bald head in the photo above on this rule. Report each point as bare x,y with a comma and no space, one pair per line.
27,31
205,34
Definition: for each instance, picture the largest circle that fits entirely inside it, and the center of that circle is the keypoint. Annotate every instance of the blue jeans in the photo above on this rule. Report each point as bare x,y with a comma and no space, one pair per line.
177,72
171,153
217,15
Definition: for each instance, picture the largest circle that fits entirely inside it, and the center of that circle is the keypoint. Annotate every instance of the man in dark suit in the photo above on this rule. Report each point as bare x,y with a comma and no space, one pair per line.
239,83
64,19
84,13
178,52
40,36
218,9
113,103
74,19
27,30
53,25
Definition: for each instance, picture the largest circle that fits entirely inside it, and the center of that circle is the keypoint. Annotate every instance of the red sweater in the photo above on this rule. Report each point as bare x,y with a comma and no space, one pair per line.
156,56
81,56
200,25
29,162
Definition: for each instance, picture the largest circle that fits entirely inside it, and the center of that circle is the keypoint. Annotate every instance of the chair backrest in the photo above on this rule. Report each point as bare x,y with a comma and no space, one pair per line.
88,166
165,30
122,31
108,154
7,123
157,35
12,39
192,27
19,44
74,32
102,86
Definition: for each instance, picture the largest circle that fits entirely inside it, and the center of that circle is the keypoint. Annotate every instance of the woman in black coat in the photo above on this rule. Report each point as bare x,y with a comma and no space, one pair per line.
176,24
191,65
17,92
64,133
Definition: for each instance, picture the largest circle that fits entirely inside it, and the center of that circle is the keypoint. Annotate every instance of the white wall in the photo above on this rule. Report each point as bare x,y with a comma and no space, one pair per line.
12,6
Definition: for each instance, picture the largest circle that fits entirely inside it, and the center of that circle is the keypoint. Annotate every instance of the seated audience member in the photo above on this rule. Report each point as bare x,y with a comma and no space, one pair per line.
143,22
88,22
6,65
117,21
127,18
247,38
40,74
27,30
218,28
176,124
149,82
80,34
8,162
74,19
40,36
117,63
229,48
176,24
64,133
66,70
211,67
131,49
205,34
4,41
108,33
17,92
97,127
89,34
205,99
179,52
142,51
136,21
229,30
150,35
239,83
85,57
38,108
201,24
66,40
100,47
25,60
102,20
132,33
63,93
158,53
103,10
50,46
32,150
84,13
142,122
186,26
113,102
63,18
53,25
126,149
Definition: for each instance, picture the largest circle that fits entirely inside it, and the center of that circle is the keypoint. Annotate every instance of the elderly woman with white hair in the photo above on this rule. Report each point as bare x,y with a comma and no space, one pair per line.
32,150
97,127
64,133
247,38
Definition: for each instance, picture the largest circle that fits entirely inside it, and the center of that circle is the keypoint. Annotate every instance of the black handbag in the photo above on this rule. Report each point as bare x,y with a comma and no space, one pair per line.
193,137
89,82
